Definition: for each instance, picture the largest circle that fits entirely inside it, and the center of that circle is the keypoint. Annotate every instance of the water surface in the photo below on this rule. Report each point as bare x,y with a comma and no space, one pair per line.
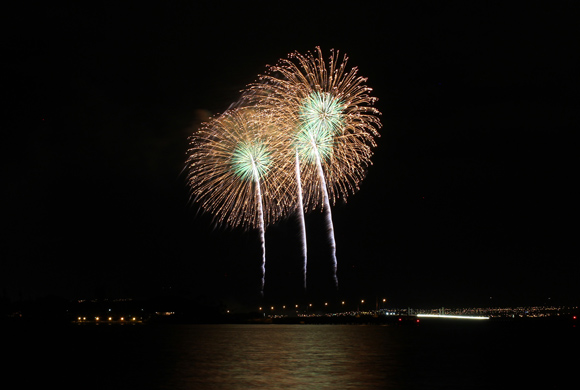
427,356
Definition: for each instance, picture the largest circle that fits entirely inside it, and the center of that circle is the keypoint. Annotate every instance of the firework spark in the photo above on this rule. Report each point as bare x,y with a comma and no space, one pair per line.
327,115
235,171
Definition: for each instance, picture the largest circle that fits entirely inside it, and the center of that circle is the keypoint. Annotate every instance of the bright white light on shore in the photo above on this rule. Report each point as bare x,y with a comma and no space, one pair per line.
456,317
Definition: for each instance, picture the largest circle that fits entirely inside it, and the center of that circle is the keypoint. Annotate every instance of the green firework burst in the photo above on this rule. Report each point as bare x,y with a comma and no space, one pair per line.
251,160
320,120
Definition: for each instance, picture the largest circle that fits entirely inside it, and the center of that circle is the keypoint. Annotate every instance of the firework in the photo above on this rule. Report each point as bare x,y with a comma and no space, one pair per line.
327,116
236,169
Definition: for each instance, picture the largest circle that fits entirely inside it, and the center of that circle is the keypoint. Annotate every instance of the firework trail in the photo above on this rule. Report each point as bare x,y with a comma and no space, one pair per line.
262,228
326,114
328,214
235,169
300,213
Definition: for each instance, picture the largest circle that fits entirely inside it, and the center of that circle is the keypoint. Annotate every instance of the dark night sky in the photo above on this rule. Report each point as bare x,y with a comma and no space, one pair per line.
470,195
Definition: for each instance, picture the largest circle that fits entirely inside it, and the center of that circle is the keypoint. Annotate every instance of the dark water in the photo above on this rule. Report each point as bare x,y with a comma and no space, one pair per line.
436,355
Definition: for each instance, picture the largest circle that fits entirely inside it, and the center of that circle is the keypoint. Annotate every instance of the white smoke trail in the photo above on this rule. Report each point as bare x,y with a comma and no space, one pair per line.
328,215
261,225
300,212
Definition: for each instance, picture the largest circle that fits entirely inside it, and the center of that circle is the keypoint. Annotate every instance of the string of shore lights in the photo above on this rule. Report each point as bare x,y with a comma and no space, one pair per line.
298,139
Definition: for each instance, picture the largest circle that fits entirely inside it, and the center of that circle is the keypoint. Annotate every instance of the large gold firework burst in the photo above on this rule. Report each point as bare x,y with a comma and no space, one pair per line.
326,112
236,169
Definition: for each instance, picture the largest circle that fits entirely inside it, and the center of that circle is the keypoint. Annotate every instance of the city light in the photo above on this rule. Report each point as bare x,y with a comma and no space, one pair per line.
360,311
452,316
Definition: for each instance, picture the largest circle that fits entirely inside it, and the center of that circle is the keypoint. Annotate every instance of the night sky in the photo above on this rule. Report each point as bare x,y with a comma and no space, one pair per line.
470,200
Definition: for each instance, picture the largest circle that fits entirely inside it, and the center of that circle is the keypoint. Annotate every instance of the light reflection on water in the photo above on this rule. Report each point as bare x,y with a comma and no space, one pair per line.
286,356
